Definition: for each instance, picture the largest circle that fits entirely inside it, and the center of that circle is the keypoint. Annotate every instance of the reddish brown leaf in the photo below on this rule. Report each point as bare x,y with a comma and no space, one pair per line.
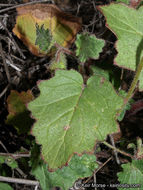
18,113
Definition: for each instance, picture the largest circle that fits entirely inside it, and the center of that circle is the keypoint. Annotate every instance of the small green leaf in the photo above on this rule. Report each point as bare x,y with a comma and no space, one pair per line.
9,161
59,62
88,46
127,25
43,38
79,167
132,175
4,186
71,117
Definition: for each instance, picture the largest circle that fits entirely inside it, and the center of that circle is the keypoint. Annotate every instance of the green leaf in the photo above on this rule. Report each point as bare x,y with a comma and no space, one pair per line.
88,46
141,81
79,167
35,156
9,161
127,25
71,117
132,175
4,186
43,38
126,107
98,71
59,62
123,1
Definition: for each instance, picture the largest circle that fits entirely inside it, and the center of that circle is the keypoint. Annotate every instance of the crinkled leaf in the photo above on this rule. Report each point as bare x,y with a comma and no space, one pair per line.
43,38
132,174
79,167
71,117
4,186
127,25
88,46
18,113
62,26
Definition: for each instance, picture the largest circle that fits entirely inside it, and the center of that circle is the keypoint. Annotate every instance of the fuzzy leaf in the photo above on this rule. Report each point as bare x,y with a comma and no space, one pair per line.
18,113
132,175
4,186
43,38
88,46
71,117
127,25
79,167
62,26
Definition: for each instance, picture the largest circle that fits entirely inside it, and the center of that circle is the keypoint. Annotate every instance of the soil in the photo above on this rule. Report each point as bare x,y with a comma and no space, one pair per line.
33,69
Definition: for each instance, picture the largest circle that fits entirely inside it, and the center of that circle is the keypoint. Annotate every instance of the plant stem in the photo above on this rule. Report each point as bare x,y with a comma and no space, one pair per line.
133,85
116,149
135,80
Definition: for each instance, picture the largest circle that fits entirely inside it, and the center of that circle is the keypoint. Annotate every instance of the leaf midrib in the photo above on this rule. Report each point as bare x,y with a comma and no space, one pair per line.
74,109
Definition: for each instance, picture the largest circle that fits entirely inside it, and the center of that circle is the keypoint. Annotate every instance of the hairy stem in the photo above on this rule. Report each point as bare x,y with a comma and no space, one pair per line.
135,80
116,149
133,85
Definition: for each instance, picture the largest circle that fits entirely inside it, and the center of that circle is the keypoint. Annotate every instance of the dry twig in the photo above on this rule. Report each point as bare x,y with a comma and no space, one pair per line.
21,5
4,63
11,37
18,180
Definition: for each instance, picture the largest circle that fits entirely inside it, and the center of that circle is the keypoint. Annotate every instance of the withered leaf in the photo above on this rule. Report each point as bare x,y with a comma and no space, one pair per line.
63,26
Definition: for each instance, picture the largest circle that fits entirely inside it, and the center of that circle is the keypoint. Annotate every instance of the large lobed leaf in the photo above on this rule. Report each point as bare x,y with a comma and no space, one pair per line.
132,175
71,117
127,25
79,167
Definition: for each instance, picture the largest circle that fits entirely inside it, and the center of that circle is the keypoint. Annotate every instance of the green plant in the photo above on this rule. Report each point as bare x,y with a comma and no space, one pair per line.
73,114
